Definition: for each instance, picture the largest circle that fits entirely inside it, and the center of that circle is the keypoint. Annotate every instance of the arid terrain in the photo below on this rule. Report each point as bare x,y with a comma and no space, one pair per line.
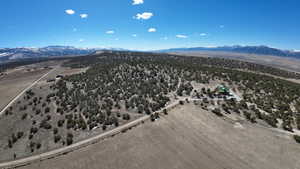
15,81
188,137
229,114
287,63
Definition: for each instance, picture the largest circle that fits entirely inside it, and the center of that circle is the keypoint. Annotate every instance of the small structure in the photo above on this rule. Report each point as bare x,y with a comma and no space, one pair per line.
221,89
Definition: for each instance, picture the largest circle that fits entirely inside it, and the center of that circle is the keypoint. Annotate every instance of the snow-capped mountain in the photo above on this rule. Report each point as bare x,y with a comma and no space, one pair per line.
49,51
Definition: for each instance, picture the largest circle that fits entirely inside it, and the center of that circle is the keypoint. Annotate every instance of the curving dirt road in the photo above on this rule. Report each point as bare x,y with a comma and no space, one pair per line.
78,145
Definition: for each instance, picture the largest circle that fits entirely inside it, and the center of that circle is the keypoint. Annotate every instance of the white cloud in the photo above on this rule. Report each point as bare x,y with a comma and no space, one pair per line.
181,36
110,32
137,2
222,26
81,40
151,30
203,34
83,15
144,16
70,11
134,35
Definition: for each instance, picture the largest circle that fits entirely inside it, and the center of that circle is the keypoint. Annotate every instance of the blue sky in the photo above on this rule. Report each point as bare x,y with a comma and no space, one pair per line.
150,24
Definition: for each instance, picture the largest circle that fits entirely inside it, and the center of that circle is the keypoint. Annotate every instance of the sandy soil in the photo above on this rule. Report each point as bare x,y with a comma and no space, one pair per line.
290,64
188,137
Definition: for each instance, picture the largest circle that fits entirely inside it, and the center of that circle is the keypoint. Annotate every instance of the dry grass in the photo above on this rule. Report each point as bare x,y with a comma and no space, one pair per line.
188,137
290,64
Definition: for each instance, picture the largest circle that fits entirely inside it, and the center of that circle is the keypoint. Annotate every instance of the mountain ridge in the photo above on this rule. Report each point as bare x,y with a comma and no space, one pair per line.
260,50
12,54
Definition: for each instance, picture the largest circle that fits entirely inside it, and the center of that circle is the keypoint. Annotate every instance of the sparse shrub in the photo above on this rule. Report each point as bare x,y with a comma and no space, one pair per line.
24,116
10,144
271,120
33,130
181,102
32,145
118,114
103,127
69,138
60,123
38,145
116,123
55,130
57,138
70,123
44,124
217,112
48,117
20,134
247,115
165,112
297,138
6,112
47,109
14,138
38,111
152,117
126,116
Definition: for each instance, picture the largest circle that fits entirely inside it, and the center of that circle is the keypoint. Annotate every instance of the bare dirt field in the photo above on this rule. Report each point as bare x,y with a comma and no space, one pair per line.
188,137
290,64
14,82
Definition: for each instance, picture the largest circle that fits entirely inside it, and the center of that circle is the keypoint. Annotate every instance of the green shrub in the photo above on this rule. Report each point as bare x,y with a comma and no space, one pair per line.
297,138
57,138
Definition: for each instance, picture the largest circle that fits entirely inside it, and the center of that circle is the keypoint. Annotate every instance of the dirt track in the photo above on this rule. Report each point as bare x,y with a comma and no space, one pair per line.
24,90
187,138
14,83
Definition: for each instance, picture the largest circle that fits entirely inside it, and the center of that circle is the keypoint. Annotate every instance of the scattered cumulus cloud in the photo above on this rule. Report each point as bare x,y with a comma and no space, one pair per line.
70,11
83,15
151,30
137,2
110,32
81,40
144,16
203,34
134,35
181,36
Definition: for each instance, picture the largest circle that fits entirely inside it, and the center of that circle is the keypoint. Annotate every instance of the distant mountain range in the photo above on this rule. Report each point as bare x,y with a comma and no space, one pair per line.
260,50
11,54
7,54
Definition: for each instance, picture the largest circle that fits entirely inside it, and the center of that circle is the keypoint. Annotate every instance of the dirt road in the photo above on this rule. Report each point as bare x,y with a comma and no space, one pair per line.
26,89
78,145
188,137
